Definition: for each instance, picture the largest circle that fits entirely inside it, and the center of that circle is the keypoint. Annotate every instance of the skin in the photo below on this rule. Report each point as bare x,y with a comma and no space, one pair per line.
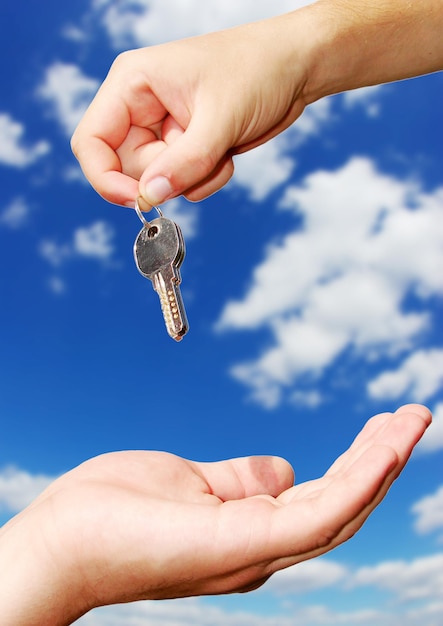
139,525
168,119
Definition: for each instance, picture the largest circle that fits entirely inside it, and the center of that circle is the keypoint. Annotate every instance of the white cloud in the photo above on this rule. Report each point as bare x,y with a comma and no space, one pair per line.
182,212
56,254
146,22
56,285
73,174
194,612
311,121
307,576
432,440
15,214
13,150
418,378
310,399
74,33
94,242
265,168
18,488
69,91
188,612
366,97
421,578
339,282
429,513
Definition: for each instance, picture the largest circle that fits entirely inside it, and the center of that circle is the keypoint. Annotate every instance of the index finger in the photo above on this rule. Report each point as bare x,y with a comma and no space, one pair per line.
117,105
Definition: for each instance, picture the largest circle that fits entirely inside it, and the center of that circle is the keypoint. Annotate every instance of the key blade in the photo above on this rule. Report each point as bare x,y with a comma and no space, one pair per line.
167,284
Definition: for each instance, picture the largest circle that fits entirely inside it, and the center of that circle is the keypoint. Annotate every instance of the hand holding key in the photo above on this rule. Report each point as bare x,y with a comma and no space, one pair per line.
168,119
159,251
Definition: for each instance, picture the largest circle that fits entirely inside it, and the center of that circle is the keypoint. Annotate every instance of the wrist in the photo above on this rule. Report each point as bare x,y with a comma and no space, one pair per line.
37,586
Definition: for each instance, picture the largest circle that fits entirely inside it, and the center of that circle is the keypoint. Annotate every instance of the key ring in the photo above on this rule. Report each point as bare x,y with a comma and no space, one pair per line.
141,217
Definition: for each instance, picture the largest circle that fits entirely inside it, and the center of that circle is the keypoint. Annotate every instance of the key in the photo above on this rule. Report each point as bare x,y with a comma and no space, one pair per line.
159,250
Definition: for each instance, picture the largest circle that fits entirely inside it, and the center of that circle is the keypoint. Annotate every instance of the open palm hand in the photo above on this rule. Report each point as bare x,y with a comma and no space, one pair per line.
138,525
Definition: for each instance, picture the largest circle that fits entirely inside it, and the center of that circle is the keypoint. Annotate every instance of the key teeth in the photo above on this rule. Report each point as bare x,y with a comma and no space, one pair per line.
175,324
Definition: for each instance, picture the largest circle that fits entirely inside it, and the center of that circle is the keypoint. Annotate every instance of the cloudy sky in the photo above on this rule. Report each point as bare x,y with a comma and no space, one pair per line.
313,287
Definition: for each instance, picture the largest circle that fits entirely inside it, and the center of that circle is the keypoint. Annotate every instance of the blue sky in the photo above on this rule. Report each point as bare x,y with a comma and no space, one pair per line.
313,288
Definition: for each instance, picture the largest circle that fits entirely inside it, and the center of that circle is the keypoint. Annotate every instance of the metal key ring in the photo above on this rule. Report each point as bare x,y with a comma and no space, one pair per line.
141,217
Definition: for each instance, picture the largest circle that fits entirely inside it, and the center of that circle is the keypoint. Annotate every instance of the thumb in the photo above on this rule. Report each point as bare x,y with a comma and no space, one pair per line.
248,476
195,164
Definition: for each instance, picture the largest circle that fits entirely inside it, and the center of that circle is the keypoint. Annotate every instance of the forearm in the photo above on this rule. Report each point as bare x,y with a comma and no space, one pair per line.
356,43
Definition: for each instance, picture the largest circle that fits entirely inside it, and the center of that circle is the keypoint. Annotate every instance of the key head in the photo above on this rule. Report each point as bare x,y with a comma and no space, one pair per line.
159,244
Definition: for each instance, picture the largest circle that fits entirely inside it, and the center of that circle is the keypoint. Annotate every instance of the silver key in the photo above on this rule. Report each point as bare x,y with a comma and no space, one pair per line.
159,251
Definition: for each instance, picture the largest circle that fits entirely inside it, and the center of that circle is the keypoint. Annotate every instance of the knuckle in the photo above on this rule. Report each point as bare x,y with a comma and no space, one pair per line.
206,159
121,60
75,145
218,177
124,64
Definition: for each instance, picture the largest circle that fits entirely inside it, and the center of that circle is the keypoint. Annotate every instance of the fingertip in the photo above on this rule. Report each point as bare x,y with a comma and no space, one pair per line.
286,471
195,160
104,173
117,188
144,206
417,409
274,473
245,477
156,191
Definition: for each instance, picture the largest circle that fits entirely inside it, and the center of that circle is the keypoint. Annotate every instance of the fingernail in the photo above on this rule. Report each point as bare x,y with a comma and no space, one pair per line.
157,190
143,205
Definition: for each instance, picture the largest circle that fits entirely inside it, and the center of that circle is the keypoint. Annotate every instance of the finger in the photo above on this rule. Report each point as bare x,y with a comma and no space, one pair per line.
94,144
101,166
142,145
103,130
360,444
314,525
405,429
418,409
375,430
401,430
193,158
250,476
139,147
